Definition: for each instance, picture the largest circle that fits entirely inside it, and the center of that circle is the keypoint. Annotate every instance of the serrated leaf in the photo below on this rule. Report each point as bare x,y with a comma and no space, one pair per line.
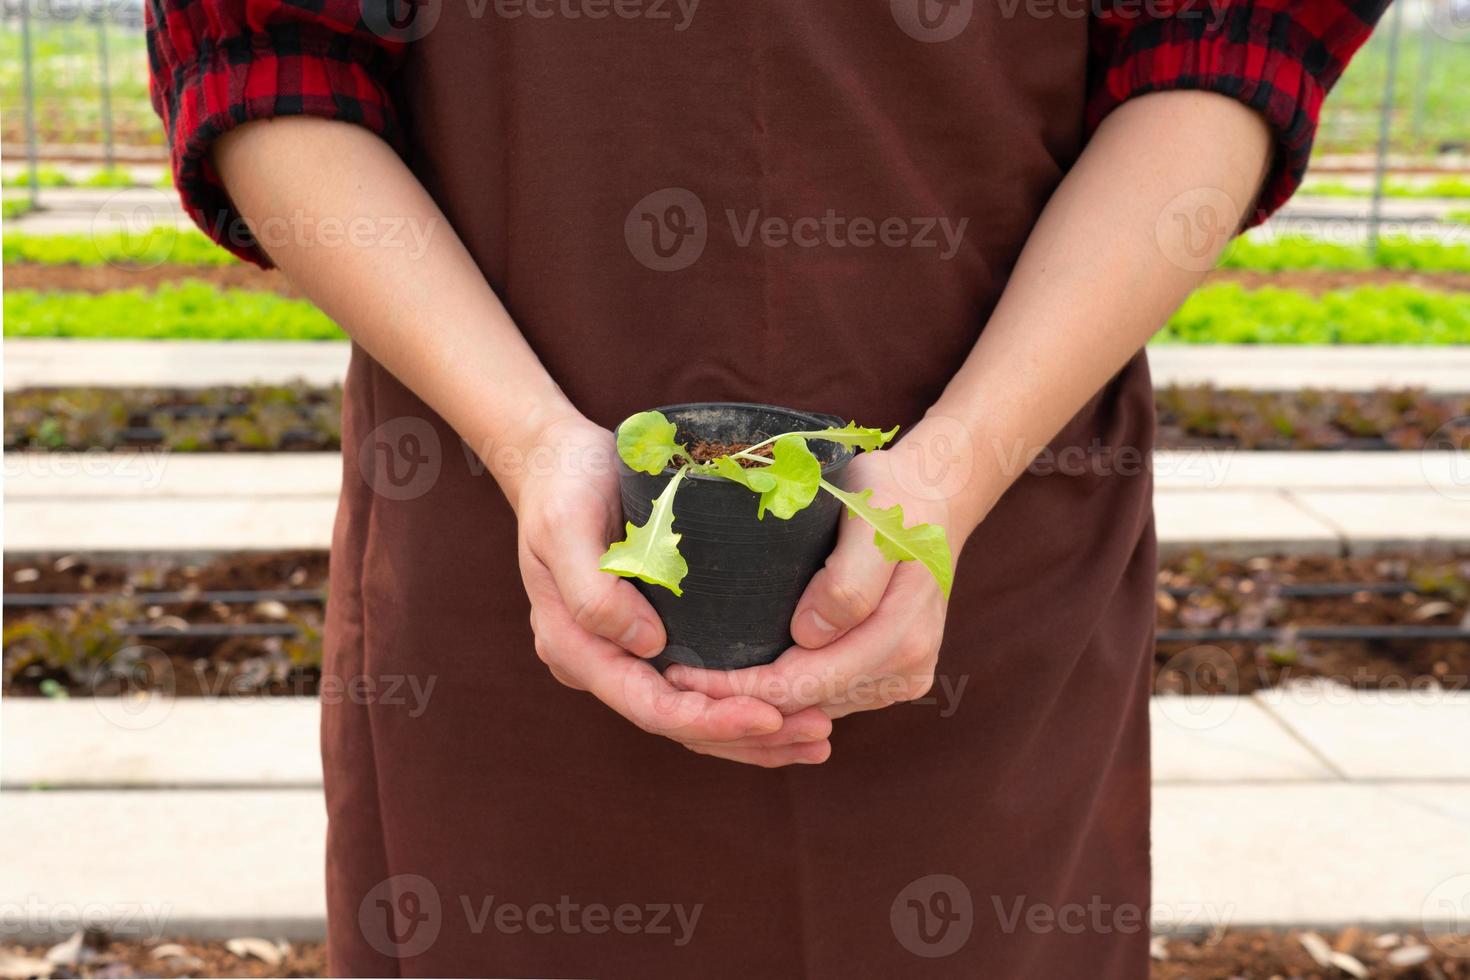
651,552
646,442
853,434
924,543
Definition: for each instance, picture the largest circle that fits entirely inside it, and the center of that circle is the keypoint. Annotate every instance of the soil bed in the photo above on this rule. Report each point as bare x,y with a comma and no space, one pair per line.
251,624
704,450
1318,281
105,278
301,417
28,275
1247,954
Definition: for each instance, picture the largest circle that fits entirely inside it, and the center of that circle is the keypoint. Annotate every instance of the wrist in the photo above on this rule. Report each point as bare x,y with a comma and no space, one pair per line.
945,461
513,451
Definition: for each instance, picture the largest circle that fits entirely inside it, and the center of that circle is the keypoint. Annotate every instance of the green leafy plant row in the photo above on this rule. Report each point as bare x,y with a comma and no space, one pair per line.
53,177
1456,187
190,247
1229,314
1299,252
184,311
159,245
786,478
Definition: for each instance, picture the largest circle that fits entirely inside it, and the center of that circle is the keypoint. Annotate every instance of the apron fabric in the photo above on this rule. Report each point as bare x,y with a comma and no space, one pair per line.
613,177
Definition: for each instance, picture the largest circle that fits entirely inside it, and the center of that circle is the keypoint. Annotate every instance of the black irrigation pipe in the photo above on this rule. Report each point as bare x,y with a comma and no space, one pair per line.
1284,634
33,600
1311,590
52,600
147,631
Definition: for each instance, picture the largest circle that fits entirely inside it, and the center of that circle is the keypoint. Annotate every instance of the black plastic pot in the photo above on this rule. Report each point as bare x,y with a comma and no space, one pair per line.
745,575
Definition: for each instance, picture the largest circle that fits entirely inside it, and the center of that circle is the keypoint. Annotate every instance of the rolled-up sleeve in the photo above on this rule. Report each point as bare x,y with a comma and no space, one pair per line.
1280,57
214,64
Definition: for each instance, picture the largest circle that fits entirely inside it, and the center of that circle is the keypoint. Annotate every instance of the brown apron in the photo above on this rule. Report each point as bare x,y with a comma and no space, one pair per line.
745,207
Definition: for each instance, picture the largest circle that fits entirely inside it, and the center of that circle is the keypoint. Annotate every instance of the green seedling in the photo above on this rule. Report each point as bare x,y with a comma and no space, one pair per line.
784,475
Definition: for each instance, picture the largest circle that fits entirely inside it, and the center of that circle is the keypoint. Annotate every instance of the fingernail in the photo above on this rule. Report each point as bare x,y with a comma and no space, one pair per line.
823,629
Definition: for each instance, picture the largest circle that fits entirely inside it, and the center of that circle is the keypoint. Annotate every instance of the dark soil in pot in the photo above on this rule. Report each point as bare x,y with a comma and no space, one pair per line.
745,575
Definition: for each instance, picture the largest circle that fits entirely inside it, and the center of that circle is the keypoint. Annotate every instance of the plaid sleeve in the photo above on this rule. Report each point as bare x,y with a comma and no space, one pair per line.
214,64
1279,57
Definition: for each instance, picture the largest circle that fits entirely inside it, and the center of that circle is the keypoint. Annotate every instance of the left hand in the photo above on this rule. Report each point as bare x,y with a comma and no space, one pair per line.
867,630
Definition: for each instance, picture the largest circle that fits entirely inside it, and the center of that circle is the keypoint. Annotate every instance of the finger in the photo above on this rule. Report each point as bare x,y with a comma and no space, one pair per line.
872,666
601,603
635,690
796,680
810,725
809,753
845,591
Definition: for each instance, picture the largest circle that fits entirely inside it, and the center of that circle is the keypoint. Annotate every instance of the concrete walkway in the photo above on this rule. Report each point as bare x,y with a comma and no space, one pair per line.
1230,502
1311,805
196,363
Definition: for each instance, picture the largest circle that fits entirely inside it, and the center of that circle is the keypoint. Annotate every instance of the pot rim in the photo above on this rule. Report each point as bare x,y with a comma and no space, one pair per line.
845,454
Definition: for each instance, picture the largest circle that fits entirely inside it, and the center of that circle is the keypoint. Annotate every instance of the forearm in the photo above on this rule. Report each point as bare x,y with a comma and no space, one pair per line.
399,281
1128,233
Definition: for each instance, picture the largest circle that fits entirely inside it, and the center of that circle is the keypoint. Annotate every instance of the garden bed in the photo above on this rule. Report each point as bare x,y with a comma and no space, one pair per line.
300,417
239,275
1249,954
251,624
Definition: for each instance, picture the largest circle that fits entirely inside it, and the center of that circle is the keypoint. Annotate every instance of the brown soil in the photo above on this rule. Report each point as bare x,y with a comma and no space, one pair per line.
102,278
1259,955
197,665
1244,595
98,279
122,960
704,450
1317,281
1244,954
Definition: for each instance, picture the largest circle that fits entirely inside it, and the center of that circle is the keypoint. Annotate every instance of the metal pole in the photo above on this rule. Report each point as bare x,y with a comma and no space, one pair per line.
107,154
1421,83
32,166
1385,116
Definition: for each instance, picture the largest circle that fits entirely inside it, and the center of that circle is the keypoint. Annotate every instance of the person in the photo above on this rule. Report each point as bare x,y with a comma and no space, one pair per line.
536,219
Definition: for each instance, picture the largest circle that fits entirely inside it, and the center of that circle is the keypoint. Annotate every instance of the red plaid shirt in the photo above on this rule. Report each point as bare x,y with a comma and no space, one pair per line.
217,63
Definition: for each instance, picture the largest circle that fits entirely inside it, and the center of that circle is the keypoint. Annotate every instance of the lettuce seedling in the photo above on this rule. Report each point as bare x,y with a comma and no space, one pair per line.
785,482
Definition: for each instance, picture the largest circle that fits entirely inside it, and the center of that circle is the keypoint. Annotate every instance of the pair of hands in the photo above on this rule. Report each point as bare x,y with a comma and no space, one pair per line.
867,630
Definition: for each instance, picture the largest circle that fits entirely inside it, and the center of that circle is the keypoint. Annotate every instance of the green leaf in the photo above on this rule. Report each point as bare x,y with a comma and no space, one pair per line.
925,543
786,484
797,473
646,442
759,480
853,434
651,552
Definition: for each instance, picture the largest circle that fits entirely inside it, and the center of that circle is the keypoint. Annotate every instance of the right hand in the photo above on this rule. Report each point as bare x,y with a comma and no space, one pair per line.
594,631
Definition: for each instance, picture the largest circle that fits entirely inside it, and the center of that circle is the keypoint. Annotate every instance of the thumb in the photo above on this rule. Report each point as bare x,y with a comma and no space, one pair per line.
845,591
